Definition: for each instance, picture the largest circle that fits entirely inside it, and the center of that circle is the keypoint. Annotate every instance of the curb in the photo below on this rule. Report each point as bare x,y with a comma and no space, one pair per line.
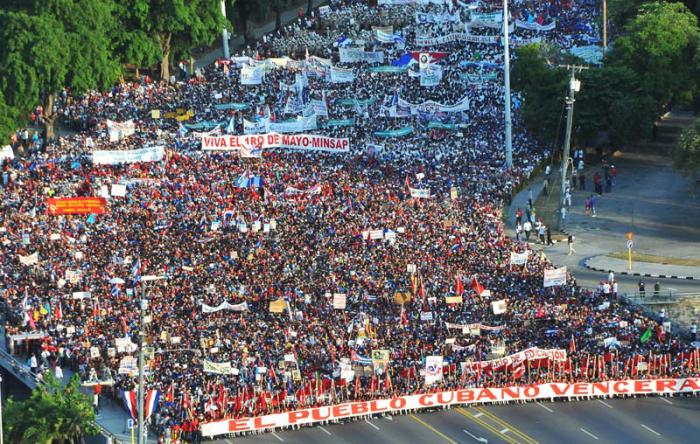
627,273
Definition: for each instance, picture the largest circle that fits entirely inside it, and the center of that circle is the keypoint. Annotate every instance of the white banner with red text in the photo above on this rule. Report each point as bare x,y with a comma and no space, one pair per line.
516,359
307,142
450,398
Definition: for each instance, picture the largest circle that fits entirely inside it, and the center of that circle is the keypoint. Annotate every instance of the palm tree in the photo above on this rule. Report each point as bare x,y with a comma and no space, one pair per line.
53,414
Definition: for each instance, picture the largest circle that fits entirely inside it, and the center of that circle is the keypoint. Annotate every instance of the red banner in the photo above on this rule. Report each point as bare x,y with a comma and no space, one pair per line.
77,205
478,395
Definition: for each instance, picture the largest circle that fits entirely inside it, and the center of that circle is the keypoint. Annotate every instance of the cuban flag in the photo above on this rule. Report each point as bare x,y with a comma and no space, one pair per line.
243,181
405,60
343,41
181,129
228,216
131,403
363,360
115,291
231,128
256,182
136,270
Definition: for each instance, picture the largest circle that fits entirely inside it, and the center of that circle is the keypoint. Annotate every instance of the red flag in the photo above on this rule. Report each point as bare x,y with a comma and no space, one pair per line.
58,312
572,344
170,397
476,286
421,290
460,286
408,183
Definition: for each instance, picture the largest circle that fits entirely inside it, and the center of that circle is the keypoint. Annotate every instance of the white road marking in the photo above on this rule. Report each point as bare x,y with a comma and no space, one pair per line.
589,434
376,428
228,441
277,436
504,431
651,430
478,415
604,403
545,407
478,438
322,428
665,400
389,418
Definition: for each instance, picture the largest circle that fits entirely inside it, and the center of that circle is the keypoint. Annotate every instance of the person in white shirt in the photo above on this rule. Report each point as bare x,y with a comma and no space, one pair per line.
527,227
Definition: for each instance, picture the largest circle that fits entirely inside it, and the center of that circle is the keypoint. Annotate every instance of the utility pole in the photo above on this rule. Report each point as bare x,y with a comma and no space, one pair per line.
142,337
605,25
224,32
574,87
506,80
1,432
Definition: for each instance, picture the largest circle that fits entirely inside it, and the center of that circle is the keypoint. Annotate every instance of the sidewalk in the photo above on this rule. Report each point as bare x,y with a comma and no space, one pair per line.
647,269
236,41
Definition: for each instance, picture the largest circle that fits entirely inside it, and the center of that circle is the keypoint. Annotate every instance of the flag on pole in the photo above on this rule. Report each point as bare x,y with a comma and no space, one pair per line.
476,286
136,270
459,289
646,336
572,344
130,402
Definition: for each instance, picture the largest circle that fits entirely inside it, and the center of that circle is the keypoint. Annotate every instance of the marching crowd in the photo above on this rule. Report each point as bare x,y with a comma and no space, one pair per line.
281,247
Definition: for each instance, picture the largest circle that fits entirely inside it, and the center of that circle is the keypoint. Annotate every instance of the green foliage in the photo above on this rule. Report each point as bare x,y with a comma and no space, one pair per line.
655,63
543,87
686,156
53,414
8,120
612,98
658,44
621,11
34,58
159,28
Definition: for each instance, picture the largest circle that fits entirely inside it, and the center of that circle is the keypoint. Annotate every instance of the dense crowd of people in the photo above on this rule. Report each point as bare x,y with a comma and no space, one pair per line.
306,231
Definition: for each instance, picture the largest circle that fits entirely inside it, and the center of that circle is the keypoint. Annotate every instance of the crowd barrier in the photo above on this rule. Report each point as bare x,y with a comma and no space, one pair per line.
483,395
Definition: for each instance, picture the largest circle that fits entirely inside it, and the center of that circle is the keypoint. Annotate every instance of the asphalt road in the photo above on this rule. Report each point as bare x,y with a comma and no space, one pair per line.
638,420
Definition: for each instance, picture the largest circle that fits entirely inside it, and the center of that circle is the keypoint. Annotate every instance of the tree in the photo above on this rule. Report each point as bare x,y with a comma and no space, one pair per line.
657,45
53,414
543,87
278,6
52,44
248,10
613,99
175,27
686,156
8,120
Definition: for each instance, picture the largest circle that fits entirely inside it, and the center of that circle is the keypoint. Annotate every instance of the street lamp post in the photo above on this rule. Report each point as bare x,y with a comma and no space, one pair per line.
224,32
506,81
574,87
1,428
142,337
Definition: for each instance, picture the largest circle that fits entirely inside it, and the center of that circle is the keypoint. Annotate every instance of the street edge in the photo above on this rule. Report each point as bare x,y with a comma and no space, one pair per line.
627,273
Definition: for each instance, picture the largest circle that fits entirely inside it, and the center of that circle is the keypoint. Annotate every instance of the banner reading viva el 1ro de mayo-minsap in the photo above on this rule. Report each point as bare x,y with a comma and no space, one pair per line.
76,205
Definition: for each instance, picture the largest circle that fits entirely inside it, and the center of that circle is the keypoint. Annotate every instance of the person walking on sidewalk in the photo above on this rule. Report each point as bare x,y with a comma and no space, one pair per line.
540,232
593,203
549,236
519,216
527,228
570,240
518,231
582,181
